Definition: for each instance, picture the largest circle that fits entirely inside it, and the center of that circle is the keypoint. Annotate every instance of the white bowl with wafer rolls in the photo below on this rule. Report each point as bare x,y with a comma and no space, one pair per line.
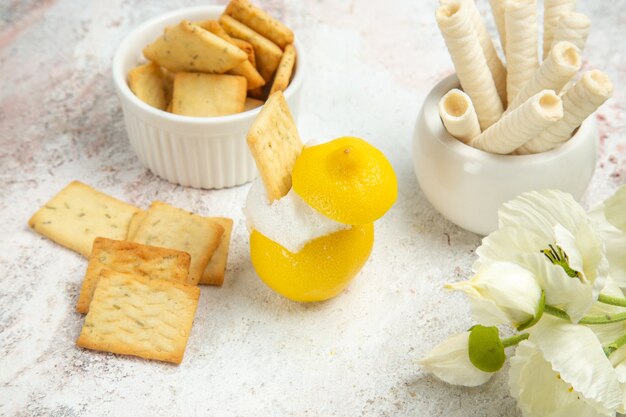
468,185
201,152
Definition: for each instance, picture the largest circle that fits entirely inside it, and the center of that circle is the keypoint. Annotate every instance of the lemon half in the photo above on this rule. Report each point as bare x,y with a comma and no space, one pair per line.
347,180
321,270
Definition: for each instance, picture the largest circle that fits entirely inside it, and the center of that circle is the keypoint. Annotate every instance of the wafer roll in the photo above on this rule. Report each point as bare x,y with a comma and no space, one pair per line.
552,12
498,71
572,27
554,73
522,55
458,115
469,61
522,124
580,101
497,9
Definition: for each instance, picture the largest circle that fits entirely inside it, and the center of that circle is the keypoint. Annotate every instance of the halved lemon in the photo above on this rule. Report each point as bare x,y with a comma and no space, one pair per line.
321,270
347,180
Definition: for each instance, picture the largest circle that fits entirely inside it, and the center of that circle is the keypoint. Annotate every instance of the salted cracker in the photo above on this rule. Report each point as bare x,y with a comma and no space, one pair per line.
132,258
187,47
285,69
208,95
135,315
469,61
522,124
245,69
252,103
579,102
216,269
147,83
78,214
266,52
260,21
275,145
247,48
135,222
170,227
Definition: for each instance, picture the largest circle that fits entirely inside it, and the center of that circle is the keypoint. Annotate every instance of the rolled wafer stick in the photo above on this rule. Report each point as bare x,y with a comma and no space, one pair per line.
458,115
554,73
580,101
572,27
498,71
552,12
469,61
497,9
522,124
522,55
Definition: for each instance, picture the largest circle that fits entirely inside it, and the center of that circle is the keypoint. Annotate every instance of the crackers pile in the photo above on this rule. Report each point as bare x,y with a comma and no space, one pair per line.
140,290
216,67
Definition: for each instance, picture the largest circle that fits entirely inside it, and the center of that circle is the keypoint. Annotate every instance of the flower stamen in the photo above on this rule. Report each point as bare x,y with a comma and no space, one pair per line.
557,256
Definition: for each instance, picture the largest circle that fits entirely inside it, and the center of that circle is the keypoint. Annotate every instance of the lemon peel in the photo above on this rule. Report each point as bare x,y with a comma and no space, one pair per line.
347,180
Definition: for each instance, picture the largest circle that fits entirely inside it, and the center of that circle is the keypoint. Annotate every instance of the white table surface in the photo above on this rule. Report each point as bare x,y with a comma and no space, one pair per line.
251,352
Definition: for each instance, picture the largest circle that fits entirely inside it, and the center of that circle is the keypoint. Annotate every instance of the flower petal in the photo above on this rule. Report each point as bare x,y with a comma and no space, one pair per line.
540,211
615,209
567,242
449,361
614,241
561,290
539,390
595,263
507,244
576,354
502,292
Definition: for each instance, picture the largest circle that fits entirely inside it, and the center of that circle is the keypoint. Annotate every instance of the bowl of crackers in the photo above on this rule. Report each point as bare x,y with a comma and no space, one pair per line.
192,81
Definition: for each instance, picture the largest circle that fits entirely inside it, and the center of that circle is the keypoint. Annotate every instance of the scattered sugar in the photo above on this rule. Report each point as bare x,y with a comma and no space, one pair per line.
290,221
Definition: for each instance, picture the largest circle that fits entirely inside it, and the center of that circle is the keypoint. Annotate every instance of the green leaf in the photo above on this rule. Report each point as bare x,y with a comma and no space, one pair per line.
486,351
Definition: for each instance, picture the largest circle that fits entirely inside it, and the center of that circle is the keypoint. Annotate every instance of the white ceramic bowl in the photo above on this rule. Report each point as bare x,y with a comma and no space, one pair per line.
467,185
201,152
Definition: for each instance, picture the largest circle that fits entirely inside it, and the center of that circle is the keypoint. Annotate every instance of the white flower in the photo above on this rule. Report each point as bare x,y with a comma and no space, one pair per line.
550,235
540,391
501,292
563,371
449,361
610,218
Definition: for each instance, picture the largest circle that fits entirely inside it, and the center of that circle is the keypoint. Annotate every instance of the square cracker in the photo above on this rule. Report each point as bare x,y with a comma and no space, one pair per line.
78,214
135,222
135,315
148,84
252,103
247,48
207,95
266,52
215,270
170,227
245,69
285,69
259,21
275,145
187,47
132,258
